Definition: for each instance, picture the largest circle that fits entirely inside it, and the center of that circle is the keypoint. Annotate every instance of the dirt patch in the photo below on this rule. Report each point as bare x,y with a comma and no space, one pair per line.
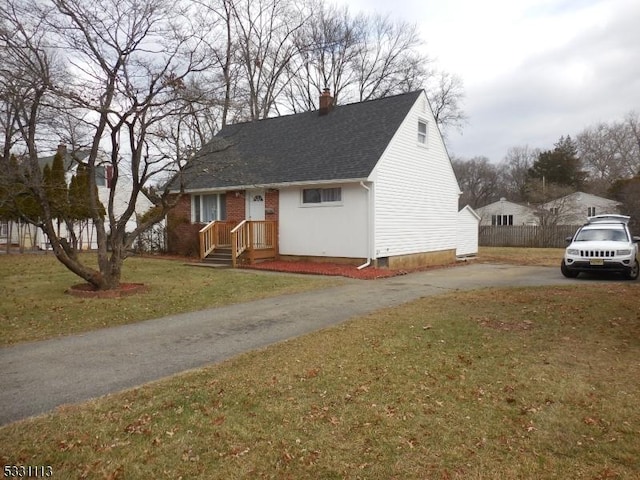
86,290
496,324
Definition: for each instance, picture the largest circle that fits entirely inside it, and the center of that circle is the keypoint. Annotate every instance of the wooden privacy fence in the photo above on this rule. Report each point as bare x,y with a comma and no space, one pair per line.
525,235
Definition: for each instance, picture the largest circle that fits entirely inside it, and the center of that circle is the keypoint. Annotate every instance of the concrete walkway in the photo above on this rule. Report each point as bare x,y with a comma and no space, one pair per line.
37,377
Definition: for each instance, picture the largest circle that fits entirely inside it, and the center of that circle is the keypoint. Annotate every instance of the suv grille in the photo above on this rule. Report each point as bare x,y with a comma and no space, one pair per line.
597,253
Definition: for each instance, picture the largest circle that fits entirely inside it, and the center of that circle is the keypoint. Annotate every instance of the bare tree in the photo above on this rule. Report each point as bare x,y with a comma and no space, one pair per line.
599,149
627,192
610,151
386,51
446,92
632,144
327,45
514,171
479,181
265,31
130,62
366,57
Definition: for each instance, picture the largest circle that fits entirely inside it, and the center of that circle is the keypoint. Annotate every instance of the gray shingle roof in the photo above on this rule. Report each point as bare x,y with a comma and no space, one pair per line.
69,159
306,147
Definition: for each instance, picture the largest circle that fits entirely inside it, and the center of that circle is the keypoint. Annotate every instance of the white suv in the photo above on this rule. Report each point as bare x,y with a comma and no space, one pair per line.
604,244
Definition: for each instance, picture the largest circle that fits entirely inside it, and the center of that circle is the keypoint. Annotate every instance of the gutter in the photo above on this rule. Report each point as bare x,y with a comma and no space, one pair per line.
368,262
300,183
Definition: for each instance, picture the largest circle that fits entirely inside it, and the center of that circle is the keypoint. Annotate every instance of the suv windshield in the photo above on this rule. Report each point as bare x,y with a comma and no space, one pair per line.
601,234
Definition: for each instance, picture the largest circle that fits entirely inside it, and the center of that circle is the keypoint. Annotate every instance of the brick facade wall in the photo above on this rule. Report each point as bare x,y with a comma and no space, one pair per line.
271,201
235,206
182,235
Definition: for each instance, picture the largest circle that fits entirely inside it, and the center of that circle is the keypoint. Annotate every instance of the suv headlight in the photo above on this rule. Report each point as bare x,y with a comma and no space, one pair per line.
623,252
573,251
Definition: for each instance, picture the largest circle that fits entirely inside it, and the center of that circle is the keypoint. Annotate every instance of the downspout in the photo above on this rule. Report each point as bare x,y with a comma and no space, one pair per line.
368,262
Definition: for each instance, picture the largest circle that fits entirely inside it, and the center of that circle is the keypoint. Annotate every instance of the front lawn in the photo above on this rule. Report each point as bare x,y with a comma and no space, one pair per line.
540,257
34,305
536,383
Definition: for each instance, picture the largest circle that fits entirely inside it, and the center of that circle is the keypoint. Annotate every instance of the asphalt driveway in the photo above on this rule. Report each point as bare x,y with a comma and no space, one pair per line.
37,377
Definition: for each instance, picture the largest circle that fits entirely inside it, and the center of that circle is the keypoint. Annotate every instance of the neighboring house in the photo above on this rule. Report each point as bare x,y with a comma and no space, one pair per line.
365,183
468,222
574,209
506,213
29,236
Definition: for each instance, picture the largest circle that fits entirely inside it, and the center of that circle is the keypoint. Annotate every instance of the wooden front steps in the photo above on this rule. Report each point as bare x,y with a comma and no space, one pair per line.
250,241
221,257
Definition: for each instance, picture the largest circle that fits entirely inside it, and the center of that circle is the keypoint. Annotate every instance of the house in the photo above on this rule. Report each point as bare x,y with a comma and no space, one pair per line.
574,209
467,232
505,213
364,183
28,236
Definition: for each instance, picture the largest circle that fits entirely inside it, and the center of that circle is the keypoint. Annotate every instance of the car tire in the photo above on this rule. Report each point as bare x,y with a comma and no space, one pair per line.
566,272
633,272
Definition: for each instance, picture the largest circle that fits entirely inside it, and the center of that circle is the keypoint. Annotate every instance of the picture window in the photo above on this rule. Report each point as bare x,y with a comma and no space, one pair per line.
321,195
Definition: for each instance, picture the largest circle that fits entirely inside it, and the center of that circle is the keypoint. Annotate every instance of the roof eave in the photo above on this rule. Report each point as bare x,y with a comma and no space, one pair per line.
302,183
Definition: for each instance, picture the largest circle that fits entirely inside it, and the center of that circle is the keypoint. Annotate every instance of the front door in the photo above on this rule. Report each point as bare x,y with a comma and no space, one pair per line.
255,204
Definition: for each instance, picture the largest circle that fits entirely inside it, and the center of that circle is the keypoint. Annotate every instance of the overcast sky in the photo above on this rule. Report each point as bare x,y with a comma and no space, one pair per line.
533,70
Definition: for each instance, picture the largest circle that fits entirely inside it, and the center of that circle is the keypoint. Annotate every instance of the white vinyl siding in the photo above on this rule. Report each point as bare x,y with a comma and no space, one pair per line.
416,192
324,232
502,212
468,223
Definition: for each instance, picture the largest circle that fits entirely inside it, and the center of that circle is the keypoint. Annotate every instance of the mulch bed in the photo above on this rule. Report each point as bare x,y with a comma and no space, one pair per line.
319,268
86,290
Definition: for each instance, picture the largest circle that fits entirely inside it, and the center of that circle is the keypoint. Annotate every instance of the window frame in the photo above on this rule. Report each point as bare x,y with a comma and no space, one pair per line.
324,202
502,220
423,137
197,207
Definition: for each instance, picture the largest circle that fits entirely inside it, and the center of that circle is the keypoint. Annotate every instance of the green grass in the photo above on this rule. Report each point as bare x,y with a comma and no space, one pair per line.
35,307
541,257
536,383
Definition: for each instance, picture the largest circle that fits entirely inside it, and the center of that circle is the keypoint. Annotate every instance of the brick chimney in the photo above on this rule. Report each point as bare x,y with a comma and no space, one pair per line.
326,102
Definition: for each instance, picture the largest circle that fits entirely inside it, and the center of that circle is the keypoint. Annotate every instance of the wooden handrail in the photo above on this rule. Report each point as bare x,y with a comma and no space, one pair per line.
238,241
212,235
237,227
252,236
207,236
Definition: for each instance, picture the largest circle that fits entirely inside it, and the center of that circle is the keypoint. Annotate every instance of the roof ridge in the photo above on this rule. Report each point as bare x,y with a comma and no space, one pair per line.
335,108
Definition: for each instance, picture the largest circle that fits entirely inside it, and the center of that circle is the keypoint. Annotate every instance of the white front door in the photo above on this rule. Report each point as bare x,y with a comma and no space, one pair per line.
255,204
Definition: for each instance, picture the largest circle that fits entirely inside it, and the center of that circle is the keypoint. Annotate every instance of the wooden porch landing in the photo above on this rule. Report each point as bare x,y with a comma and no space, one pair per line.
236,245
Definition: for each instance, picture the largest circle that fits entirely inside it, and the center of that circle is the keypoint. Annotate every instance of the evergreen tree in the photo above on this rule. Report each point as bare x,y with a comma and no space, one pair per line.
79,195
57,191
79,205
560,166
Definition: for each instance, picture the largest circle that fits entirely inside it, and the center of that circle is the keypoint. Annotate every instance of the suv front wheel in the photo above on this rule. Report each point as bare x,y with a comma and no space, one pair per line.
632,274
571,273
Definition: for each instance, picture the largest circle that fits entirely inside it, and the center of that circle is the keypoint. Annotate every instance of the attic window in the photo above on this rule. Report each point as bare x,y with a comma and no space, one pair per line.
321,195
422,132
